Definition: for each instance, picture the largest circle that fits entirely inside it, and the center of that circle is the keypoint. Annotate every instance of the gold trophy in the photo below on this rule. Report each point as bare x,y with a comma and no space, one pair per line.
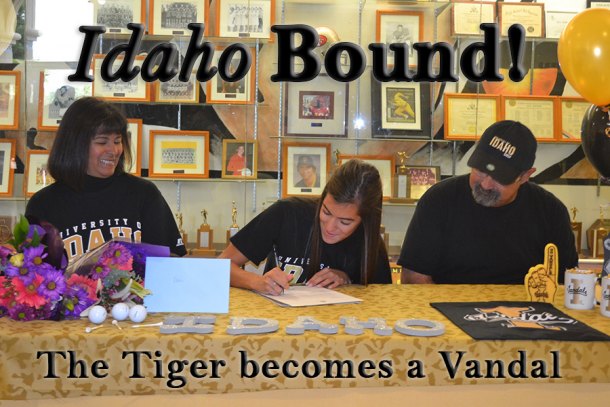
576,229
401,181
596,234
205,238
234,228
182,232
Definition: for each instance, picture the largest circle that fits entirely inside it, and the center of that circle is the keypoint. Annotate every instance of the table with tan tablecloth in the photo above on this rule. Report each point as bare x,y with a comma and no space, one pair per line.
102,362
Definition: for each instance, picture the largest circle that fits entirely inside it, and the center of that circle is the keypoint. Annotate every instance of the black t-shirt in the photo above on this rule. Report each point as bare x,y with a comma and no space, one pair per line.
455,240
287,224
119,206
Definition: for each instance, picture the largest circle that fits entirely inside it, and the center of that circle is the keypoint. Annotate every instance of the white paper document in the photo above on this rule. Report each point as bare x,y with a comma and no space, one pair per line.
304,296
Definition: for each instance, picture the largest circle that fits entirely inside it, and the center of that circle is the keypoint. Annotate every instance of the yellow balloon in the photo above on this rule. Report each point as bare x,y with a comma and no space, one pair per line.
584,54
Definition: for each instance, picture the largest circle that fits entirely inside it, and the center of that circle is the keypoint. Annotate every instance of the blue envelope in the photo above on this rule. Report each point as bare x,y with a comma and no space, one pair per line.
187,285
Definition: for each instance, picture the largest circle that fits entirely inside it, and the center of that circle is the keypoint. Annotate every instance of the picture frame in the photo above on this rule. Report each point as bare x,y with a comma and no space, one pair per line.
538,113
303,163
169,17
134,130
178,154
136,90
55,95
400,110
317,108
116,14
598,4
239,159
6,228
397,26
467,115
245,18
242,91
555,22
467,16
383,163
421,178
571,111
10,91
7,166
176,91
529,15
37,175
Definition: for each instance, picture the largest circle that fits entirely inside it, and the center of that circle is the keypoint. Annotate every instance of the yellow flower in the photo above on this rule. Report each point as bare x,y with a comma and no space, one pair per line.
17,260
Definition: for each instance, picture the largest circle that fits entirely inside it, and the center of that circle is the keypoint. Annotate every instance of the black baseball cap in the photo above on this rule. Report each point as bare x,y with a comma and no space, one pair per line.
506,149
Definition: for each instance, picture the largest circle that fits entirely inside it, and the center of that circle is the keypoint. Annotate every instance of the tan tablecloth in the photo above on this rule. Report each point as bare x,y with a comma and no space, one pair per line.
376,361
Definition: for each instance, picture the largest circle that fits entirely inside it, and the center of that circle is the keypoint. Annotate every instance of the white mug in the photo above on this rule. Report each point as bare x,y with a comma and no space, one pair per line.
580,289
604,304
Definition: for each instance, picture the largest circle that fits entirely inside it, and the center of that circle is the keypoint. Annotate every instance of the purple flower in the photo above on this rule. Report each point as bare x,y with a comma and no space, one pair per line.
76,301
53,285
5,252
23,272
117,254
34,255
21,312
100,271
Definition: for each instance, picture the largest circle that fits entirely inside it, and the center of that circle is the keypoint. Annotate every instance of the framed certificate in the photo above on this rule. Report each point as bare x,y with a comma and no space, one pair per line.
536,112
178,154
134,131
400,109
383,163
239,92
556,22
571,112
598,4
7,166
136,90
168,17
37,174
395,27
55,95
245,18
10,85
529,15
316,108
116,14
305,168
176,91
468,115
467,16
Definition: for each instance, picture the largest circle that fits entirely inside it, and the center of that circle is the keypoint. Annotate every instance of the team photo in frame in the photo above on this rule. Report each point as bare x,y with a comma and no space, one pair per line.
37,173
420,179
55,95
239,159
176,91
316,108
7,166
136,90
169,17
10,87
245,18
116,14
305,168
178,154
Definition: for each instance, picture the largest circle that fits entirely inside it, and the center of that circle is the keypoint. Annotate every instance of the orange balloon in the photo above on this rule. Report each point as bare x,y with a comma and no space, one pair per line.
584,54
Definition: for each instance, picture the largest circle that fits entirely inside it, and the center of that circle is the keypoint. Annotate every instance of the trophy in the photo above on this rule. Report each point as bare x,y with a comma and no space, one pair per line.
234,228
205,238
576,229
597,233
182,232
401,180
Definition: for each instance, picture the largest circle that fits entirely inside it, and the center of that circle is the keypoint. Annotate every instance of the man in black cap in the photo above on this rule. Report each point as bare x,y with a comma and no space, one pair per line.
308,172
491,226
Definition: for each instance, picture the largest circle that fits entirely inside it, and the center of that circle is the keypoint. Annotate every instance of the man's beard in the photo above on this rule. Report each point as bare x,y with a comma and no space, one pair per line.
485,197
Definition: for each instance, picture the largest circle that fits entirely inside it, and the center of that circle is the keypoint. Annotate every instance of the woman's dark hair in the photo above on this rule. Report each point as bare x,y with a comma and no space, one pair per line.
84,119
358,183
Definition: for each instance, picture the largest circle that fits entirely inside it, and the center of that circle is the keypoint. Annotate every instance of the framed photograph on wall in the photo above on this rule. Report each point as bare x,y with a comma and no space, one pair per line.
134,130
136,90
467,115
116,14
10,86
316,108
178,154
7,166
394,26
538,113
55,95
239,92
245,18
400,109
305,168
420,179
383,163
169,17
239,159
176,91
37,174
